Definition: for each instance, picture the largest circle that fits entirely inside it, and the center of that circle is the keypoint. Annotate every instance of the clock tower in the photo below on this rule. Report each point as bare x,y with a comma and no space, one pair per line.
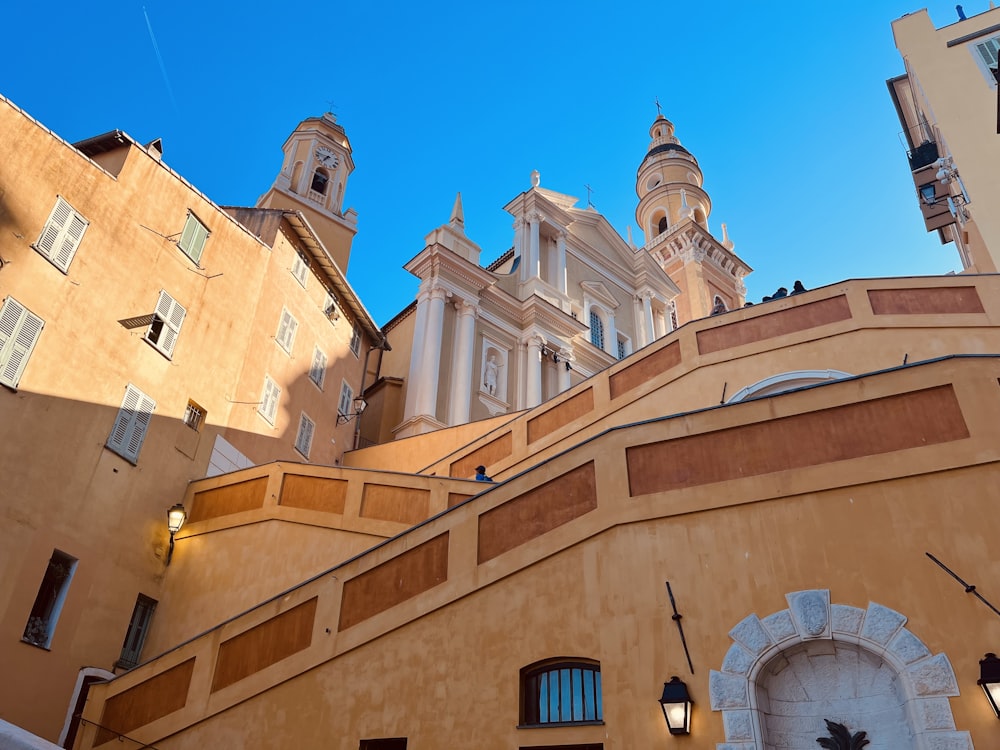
312,180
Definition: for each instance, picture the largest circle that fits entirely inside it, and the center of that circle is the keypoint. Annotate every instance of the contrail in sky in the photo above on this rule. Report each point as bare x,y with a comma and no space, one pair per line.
159,58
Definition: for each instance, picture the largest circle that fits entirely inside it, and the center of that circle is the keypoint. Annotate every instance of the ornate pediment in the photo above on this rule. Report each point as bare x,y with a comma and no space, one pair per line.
601,293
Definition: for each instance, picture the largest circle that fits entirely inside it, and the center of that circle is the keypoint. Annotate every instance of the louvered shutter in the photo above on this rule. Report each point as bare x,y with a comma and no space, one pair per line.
303,441
171,313
317,372
192,241
19,330
62,235
131,423
269,400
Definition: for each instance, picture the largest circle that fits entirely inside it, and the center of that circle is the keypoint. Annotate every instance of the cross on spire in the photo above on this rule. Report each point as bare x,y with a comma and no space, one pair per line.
330,108
590,190
658,109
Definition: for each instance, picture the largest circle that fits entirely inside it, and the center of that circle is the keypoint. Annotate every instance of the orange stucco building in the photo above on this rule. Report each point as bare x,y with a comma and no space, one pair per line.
148,337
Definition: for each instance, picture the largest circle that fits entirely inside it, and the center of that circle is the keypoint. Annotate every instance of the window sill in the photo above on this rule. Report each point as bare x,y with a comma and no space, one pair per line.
159,351
35,645
133,461
562,724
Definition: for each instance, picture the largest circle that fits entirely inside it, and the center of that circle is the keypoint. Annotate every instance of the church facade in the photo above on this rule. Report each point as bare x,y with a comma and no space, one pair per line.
570,298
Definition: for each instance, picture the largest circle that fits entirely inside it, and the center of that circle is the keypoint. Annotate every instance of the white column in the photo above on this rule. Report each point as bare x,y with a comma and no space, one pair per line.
533,247
519,243
565,357
660,319
533,371
430,358
418,351
461,384
647,317
611,342
561,262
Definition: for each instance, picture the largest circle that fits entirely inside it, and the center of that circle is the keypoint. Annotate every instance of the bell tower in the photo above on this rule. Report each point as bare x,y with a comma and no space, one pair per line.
313,179
673,213
669,184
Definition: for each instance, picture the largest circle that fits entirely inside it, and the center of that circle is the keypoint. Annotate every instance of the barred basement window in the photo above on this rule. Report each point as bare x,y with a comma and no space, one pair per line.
561,692
194,416
131,424
61,235
19,332
138,628
193,238
41,625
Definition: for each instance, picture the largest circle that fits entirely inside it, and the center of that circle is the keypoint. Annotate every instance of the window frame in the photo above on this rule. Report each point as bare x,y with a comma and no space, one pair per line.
45,624
138,628
287,328
194,415
131,424
20,330
170,314
345,387
57,242
269,410
331,308
192,237
317,369
356,340
304,435
981,62
532,694
596,332
300,269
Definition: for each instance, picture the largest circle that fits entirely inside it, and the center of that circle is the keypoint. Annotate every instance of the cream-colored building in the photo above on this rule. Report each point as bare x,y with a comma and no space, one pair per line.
570,298
948,106
148,337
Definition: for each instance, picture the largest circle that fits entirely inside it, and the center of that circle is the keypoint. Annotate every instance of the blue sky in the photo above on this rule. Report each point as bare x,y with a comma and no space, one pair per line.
784,104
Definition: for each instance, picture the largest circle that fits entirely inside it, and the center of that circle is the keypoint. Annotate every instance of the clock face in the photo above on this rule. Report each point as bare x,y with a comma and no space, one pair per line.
326,157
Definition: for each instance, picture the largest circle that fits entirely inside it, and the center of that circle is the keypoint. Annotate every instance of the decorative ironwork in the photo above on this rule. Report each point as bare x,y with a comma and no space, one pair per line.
841,738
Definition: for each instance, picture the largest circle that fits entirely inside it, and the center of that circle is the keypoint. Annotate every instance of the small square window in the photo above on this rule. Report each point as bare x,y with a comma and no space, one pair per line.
194,416
304,436
193,238
286,331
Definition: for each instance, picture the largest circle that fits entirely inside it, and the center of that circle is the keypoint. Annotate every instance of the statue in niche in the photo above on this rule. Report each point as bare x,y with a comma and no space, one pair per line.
490,372
841,739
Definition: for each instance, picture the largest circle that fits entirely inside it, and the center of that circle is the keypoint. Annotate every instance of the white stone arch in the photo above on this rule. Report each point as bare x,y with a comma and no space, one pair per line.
786,381
927,681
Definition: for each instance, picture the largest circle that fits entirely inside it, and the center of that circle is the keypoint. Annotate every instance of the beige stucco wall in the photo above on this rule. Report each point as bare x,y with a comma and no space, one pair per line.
593,586
62,489
961,104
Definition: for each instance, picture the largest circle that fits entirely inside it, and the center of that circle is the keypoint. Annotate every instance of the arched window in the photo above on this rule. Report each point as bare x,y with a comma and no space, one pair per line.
319,181
561,691
662,226
596,329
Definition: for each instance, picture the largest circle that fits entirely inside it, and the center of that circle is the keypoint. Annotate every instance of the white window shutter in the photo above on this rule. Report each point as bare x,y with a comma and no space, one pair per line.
193,238
269,400
303,440
317,373
346,399
61,235
19,331
131,424
171,313
286,331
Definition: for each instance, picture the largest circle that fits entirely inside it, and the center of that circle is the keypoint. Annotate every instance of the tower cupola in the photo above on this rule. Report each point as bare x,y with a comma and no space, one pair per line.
668,184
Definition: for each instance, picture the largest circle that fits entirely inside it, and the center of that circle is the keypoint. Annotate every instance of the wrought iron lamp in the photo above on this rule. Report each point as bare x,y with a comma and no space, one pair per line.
176,516
676,704
359,405
989,678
